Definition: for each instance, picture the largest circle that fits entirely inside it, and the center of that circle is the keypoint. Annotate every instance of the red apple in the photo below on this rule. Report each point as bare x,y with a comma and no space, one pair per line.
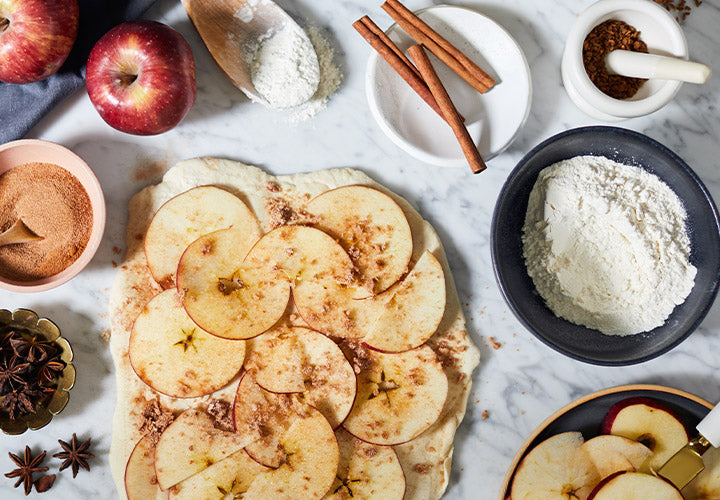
141,77
35,37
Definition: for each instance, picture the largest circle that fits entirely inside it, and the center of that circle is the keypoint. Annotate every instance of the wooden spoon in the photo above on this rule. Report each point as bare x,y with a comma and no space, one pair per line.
232,31
18,233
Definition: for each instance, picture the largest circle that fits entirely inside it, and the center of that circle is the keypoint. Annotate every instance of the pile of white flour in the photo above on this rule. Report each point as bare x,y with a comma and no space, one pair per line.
606,245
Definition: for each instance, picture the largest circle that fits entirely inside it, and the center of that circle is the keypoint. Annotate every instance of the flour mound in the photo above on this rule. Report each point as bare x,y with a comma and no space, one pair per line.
606,245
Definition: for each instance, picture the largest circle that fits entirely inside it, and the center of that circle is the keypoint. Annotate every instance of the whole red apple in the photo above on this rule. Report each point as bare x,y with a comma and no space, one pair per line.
35,37
141,77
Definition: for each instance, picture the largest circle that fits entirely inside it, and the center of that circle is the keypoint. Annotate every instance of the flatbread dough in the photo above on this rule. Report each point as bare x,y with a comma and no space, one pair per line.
426,459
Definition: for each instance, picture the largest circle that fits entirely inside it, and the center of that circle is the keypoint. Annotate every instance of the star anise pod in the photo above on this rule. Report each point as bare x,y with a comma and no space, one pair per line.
34,349
75,454
6,335
19,402
11,374
27,466
50,371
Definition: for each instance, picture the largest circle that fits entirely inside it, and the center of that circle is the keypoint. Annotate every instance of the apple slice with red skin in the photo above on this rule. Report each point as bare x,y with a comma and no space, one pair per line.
140,77
36,37
706,486
231,476
611,454
186,217
649,422
140,479
310,463
300,360
371,227
366,471
192,443
399,396
634,486
174,356
224,296
555,469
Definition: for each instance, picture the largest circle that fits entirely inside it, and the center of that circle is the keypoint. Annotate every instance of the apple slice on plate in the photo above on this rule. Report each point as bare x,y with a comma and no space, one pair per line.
191,444
366,471
415,310
634,486
649,422
611,454
299,360
555,469
229,478
706,486
310,463
140,479
186,217
371,227
399,396
174,356
221,294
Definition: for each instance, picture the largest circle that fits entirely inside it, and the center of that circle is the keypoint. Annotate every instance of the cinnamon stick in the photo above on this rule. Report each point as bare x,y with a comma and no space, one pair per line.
444,50
424,66
390,52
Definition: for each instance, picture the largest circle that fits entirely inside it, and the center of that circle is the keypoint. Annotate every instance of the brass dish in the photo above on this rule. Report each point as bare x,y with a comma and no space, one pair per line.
27,320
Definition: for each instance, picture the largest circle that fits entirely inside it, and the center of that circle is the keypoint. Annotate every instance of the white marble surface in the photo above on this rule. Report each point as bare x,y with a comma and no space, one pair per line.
520,383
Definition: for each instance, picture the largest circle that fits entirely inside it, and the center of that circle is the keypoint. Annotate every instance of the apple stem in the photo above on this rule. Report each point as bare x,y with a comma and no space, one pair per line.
127,79
4,23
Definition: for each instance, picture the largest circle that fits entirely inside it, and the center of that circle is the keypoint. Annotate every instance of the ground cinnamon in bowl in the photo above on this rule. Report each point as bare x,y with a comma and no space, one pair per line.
53,204
603,39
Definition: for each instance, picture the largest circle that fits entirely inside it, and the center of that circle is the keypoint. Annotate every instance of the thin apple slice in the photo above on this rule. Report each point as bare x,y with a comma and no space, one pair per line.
611,454
649,422
415,310
399,396
299,360
706,486
186,217
310,464
225,297
140,479
174,356
191,444
634,486
371,227
366,471
555,469
229,478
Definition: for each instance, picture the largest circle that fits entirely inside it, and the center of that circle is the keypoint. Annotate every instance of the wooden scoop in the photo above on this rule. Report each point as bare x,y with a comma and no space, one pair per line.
18,233
232,31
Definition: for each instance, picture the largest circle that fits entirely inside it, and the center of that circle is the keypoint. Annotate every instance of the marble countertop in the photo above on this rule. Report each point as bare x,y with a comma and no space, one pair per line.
520,383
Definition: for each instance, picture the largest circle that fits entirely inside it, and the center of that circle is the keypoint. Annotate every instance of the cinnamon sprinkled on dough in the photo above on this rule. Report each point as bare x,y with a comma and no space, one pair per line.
221,412
155,420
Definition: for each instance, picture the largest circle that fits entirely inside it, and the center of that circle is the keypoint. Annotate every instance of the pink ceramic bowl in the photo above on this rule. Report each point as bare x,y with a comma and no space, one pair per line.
23,151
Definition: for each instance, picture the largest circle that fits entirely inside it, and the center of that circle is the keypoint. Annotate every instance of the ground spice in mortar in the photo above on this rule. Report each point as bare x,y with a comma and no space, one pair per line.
53,204
603,39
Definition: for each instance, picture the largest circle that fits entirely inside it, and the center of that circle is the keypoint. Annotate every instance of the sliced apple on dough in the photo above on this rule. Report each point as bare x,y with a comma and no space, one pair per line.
186,217
221,294
299,360
174,356
399,396
415,310
371,227
310,463
555,469
611,454
366,471
140,479
229,478
706,486
634,486
191,444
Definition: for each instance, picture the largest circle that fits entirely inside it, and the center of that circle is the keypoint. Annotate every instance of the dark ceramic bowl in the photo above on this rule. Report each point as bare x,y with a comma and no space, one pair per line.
578,342
587,413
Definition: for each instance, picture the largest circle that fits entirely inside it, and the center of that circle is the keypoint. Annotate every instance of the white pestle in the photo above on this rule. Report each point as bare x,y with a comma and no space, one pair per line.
641,65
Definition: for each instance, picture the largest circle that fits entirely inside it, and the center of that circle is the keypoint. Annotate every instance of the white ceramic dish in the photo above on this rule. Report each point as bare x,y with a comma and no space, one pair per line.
493,119
658,29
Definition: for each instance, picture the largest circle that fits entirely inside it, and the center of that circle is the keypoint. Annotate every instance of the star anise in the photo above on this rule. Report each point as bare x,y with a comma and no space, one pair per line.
50,370
27,466
34,349
75,454
19,402
11,371
6,335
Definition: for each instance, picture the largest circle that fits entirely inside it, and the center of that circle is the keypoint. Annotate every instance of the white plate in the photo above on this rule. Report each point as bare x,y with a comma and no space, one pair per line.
493,119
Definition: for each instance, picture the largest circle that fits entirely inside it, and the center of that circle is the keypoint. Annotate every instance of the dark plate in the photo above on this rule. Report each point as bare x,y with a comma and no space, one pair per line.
586,415
578,342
